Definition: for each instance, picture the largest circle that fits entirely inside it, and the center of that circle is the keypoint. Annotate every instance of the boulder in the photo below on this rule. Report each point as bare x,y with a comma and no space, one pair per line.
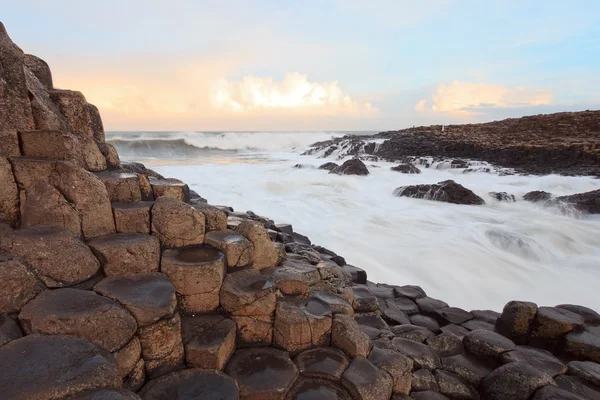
582,345
552,323
427,304
197,272
328,166
426,395
537,196
445,344
407,305
409,291
589,316
95,123
238,250
73,106
406,169
554,393
136,378
423,381
485,344
9,196
322,362
451,315
132,217
586,370
209,341
486,315
216,220
46,114
19,286
262,373
39,367
173,188
127,253
148,297
128,356
79,313
122,187
588,202
293,278
412,332
469,368
54,255
476,324
336,301
105,394
248,293
317,389
422,355
541,360
357,275
446,191
503,196
578,387
392,313
114,163
9,330
176,223
426,322
9,143
140,168
351,167
162,347
516,320
266,254
300,326
398,366
346,335
364,300
514,381
365,381
454,387
40,69
191,384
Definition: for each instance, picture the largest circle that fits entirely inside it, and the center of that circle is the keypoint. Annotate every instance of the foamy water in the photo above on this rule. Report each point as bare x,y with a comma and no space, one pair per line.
469,256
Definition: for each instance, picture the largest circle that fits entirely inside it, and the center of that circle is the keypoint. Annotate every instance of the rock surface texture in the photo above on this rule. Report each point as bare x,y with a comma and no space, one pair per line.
119,284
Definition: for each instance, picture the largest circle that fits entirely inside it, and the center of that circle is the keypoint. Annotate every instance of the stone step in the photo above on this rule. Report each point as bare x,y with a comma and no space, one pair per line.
170,187
209,341
121,186
191,384
132,217
238,250
127,253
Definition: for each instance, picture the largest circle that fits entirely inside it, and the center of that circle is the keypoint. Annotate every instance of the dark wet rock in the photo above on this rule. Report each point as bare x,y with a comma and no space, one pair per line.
514,381
539,359
409,291
485,344
139,168
209,341
346,335
503,196
317,389
127,253
578,386
322,362
148,297
555,393
486,315
392,313
455,387
467,367
372,320
40,367
586,370
357,275
192,384
426,395
429,304
406,305
304,166
582,346
455,329
446,191
413,332
425,322
351,167
79,313
397,365
445,344
262,373
537,196
337,303
9,330
329,166
248,292
422,355
552,323
588,202
105,394
589,316
365,381
452,315
423,380
364,300
516,320
476,324
406,169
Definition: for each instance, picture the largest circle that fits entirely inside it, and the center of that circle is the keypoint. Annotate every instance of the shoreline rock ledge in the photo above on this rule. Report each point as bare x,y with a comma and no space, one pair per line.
120,284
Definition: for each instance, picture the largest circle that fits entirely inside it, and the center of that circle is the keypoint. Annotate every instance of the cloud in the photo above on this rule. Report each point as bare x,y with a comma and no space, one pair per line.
465,98
294,94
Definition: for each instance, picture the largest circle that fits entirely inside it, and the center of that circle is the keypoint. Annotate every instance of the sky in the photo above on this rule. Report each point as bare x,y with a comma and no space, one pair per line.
315,64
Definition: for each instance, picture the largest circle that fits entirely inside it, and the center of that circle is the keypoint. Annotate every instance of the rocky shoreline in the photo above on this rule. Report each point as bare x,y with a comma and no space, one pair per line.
565,143
121,284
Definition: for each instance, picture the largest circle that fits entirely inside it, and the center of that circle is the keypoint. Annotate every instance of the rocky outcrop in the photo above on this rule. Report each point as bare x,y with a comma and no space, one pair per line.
329,166
588,202
446,191
537,196
351,167
406,169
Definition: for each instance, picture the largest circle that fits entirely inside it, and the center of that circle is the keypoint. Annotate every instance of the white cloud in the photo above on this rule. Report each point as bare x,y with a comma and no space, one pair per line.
294,94
466,98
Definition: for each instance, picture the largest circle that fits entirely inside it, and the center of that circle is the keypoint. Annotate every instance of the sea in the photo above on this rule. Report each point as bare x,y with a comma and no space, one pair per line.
474,257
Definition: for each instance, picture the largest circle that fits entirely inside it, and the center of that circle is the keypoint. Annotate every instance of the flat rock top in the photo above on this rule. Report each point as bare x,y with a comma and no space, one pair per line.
227,236
40,367
317,389
322,361
191,384
205,330
106,394
123,239
540,359
115,175
262,372
192,255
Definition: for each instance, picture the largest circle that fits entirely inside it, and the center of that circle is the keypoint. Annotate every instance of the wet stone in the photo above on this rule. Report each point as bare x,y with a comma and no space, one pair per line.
454,387
192,384
486,344
346,335
589,316
172,188
476,324
382,292
128,356
486,315
516,320
132,217
578,386
425,322
209,341
357,275
409,291
452,315
514,381
262,373
19,286
552,323
248,292
586,370
136,378
555,393
397,365
428,304
422,355
298,327
317,389
216,219
372,320
423,380
9,330
539,359
457,330
365,381
79,313
121,186
148,297
127,253
337,303
39,367
105,394
467,367
445,344
412,332
256,330
322,362
238,250
407,305
364,300
582,345
392,313
427,395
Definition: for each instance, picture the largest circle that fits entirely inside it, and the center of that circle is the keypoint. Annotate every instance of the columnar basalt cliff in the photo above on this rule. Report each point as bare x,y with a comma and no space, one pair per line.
117,283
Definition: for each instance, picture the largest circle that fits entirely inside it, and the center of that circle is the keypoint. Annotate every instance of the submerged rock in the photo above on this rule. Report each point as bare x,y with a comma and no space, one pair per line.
351,167
537,195
406,169
503,196
446,191
588,202
329,166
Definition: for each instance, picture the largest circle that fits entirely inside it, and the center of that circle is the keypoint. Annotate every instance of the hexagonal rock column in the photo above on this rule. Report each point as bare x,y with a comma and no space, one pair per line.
346,335
177,224
137,377
132,217
209,341
162,348
19,286
9,196
128,356
516,320
301,326
172,188
367,382
197,273
121,186
191,384
56,257
397,365
551,324
295,278
541,360
73,106
9,330
582,345
127,253
266,253
322,362
40,367
262,373
238,250
106,394
216,220
249,297
514,381
79,313
314,388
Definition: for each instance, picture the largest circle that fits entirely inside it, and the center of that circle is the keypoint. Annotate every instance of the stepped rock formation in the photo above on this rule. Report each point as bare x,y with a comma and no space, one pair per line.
116,283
